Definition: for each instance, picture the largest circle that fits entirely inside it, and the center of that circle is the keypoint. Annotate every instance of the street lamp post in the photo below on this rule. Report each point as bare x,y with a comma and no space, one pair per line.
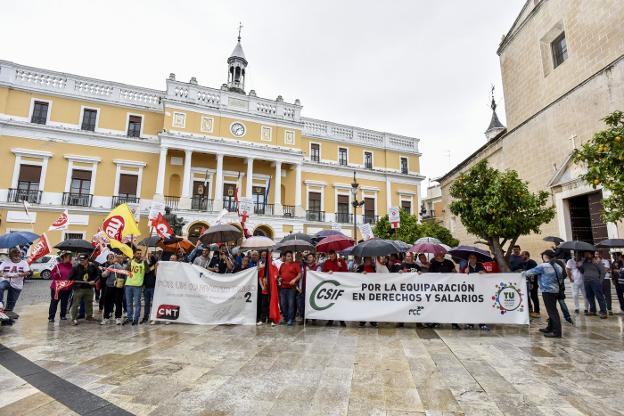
355,203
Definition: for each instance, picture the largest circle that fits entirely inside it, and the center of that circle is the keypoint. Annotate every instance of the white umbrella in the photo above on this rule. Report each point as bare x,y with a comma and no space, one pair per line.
429,240
257,243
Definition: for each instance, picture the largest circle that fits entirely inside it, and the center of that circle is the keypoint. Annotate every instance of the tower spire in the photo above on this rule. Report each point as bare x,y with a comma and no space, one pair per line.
496,127
237,65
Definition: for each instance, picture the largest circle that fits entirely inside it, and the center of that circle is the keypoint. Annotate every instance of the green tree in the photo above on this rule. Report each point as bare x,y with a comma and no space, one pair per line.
604,157
410,230
498,208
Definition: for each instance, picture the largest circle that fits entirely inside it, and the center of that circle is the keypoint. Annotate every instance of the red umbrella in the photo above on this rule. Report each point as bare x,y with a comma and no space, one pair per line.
432,248
334,242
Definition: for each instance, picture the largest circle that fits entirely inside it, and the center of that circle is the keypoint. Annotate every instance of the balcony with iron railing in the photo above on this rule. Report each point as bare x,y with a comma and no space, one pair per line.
288,211
263,209
370,218
230,205
29,195
124,199
77,200
199,203
344,217
318,216
172,201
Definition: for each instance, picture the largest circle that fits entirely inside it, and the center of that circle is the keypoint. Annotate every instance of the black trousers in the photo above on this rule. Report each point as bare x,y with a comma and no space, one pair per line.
554,322
619,289
63,297
534,304
113,296
263,307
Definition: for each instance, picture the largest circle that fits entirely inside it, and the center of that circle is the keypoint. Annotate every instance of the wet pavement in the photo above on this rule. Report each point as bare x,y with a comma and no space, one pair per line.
316,370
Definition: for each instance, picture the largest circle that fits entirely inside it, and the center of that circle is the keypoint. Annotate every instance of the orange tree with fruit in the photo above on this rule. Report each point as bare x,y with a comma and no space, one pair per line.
603,155
498,208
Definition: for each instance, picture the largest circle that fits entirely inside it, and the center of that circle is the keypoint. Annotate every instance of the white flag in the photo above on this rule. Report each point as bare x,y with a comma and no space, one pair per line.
61,223
27,208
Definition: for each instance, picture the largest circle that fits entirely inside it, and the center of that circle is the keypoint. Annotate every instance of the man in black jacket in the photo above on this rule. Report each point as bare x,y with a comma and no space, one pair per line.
84,275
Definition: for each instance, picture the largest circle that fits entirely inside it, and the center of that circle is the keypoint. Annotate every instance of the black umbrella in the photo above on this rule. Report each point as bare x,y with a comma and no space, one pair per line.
293,245
221,233
553,239
402,246
75,245
577,246
154,240
298,236
463,252
612,243
375,247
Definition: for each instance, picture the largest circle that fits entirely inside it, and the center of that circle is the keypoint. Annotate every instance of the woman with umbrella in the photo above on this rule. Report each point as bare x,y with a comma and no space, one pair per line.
331,265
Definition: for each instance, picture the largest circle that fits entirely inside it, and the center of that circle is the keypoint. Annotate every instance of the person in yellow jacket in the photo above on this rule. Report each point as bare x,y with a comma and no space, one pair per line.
134,285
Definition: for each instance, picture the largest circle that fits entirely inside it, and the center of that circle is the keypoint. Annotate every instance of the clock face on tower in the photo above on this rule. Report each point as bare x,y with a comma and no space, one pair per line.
237,129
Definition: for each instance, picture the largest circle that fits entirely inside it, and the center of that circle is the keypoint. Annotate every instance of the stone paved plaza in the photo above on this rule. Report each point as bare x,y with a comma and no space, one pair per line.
237,370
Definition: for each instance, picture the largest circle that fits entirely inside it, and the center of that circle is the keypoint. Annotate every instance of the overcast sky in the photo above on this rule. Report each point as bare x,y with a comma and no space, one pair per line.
419,68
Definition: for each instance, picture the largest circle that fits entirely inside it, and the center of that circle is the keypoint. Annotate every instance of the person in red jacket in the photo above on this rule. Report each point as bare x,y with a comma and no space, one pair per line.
289,275
60,289
334,264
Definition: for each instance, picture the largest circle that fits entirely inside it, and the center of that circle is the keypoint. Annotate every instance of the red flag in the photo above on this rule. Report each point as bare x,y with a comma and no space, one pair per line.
61,222
162,227
39,249
59,285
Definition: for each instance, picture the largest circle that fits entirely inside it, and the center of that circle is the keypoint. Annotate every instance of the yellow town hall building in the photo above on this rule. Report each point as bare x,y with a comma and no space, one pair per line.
87,145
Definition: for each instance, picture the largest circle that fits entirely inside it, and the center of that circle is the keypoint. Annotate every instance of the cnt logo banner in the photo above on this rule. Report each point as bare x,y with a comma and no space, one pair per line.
190,294
409,297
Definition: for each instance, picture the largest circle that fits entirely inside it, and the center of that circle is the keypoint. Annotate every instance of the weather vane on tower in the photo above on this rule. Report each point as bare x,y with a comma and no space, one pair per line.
493,105
240,27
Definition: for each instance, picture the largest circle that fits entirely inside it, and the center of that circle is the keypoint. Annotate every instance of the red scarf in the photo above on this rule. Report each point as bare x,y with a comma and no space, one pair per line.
61,285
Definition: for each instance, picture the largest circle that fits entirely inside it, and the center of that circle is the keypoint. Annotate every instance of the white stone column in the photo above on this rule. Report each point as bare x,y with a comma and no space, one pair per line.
160,179
299,211
248,188
218,193
185,199
277,189
388,194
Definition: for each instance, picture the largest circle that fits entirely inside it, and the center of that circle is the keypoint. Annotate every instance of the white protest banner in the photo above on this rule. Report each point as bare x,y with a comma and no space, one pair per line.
409,297
245,207
156,208
367,231
191,294
394,217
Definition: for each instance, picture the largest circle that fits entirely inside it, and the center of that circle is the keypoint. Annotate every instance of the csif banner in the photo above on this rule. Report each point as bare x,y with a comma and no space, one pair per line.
190,294
411,297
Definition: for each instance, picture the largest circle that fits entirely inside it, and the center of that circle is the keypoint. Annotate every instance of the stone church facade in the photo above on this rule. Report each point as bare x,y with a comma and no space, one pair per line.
562,65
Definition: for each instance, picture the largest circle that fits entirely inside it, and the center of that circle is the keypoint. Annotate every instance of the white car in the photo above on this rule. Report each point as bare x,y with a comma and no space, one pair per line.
43,267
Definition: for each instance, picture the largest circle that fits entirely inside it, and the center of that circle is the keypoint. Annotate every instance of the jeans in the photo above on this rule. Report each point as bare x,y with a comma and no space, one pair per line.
133,302
148,295
287,303
577,288
606,290
82,294
564,309
63,297
12,296
554,322
593,288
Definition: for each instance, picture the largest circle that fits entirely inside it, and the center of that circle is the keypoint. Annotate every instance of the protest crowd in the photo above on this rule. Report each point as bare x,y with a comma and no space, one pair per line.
113,282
